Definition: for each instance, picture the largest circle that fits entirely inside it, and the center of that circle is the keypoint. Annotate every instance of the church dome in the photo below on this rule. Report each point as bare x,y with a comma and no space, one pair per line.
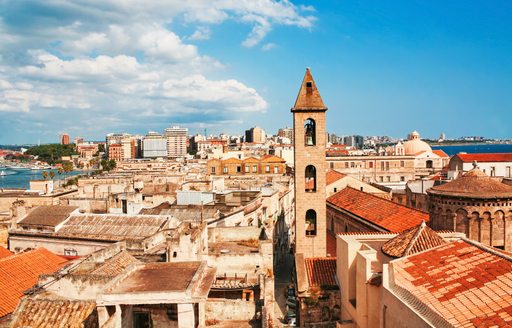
415,145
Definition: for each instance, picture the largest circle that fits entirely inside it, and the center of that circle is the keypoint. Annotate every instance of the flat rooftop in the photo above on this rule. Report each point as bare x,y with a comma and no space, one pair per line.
157,277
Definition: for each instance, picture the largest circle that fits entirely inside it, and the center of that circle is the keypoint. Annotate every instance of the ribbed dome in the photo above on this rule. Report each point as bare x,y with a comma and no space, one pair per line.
474,184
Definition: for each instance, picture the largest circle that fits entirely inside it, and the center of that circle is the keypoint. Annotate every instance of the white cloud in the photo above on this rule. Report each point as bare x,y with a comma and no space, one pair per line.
268,46
202,33
122,59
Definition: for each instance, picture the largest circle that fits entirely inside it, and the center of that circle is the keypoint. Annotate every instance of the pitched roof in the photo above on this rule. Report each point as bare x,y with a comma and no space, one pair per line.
54,313
321,271
474,184
464,282
115,265
21,271
48,215
308,97
485,157
232,160
440,153
4,252
384,213
272,159
333,176
112,227
412,241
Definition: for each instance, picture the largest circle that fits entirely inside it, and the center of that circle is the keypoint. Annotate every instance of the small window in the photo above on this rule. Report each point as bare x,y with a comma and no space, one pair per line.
381,179
213,169
388,178
346,165
267,168
310,175
225,170
276,169
238,169
402,163
247,168
335,189
254,168
331,165
402,179
370,165
352,164
70,252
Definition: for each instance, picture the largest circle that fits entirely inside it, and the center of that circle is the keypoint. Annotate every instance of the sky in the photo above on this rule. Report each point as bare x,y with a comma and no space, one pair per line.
91,67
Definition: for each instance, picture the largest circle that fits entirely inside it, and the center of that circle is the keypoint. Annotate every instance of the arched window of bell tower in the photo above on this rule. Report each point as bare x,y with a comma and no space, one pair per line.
309,132
310,177
310,223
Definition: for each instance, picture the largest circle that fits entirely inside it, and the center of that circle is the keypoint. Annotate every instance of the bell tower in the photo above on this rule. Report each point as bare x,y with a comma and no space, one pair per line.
310,170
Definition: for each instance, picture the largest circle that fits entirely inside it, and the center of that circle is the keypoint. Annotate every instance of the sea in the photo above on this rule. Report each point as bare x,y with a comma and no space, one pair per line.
475,148
20,178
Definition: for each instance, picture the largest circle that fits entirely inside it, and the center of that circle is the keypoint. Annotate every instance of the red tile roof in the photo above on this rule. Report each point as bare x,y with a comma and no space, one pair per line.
308,97
4,252
333,176
412,241
384,213
464,282
485,157
321,271
440,153
21,271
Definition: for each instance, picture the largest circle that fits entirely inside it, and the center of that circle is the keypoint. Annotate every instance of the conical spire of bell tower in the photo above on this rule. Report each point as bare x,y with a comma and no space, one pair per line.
309,98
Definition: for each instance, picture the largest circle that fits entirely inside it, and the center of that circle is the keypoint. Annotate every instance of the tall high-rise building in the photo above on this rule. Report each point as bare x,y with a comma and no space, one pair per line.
176,141
255,134
286,133
154,145
64,139
310,168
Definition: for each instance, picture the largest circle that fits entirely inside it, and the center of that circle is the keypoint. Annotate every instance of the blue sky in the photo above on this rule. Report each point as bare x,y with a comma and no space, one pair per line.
383,67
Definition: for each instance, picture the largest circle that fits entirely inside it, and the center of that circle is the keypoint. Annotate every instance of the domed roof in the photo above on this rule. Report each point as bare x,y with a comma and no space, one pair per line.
415,146
473,184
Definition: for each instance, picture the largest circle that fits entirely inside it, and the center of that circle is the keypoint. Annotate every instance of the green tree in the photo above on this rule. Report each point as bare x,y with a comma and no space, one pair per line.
112,164
67,167
45,175
52,175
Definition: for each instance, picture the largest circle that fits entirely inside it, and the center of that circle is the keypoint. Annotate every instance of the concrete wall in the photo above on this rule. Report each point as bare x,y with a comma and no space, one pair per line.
220,234
225,309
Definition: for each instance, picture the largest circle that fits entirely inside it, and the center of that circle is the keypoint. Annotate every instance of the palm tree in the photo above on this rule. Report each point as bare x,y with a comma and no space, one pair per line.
45,175
52,175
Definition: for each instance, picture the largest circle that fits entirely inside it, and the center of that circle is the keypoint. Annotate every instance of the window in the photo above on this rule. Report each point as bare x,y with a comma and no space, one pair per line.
346,165
402,179
70,252
213,169
247,168
388,178
335,189
493,171
239,169
225,170
309,132
352,164
429,164
267,169
276,169
387,166
254,168
310,176
508,172
310,223
382,165
370,165
331,165
402,163
381,179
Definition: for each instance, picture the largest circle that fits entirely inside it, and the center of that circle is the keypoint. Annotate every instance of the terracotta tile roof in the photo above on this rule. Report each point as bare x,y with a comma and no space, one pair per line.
321,271
412,241
473,184
485,157
440,153
48,215
42,313
308,97
384,213
4,252
21,271
333,176
271,159
464,282
232,160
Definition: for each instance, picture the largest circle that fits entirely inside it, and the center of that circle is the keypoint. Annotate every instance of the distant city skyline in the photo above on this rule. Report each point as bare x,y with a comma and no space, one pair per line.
382,68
